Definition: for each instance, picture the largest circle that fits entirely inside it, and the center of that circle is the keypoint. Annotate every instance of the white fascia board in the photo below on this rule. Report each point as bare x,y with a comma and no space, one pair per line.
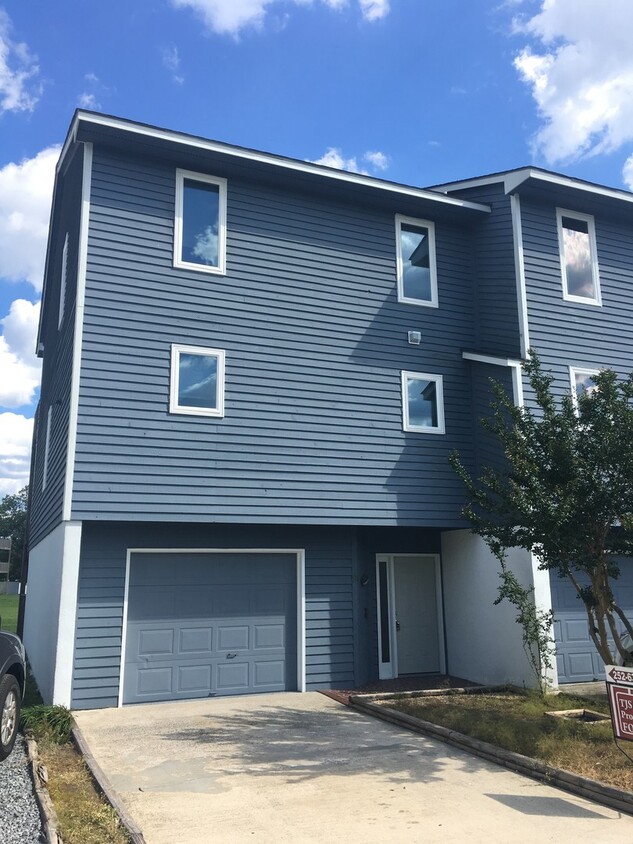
495,361
265,158
465,184
514,180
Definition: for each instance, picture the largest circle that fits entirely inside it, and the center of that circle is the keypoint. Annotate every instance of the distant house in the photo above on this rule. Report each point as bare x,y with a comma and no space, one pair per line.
254,370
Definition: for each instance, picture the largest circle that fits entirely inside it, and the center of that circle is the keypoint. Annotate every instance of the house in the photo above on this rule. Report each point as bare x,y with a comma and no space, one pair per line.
254,370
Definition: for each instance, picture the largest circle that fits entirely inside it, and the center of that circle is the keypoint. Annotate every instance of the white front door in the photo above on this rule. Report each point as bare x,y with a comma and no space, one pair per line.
409,615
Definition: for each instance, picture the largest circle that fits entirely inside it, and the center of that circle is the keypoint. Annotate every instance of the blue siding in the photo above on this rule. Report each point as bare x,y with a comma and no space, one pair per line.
330,562
46,507
488,450
315,341
495,291
568,333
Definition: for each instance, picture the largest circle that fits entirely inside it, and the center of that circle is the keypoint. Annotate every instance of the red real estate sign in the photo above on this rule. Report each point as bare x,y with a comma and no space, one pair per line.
620,689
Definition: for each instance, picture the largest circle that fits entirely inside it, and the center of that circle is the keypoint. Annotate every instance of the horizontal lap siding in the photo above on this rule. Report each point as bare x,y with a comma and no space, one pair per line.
489,452
47,505
571,334
497,312
328,591
315,341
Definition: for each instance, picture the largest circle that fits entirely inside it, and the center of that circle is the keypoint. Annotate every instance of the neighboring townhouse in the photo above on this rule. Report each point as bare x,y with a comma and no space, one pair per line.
254,370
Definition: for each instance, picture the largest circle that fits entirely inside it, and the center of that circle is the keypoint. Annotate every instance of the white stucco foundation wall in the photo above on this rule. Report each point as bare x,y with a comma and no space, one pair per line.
51,611
483,641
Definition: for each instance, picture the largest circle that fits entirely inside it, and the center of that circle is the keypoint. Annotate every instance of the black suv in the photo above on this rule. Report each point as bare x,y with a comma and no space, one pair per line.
12,675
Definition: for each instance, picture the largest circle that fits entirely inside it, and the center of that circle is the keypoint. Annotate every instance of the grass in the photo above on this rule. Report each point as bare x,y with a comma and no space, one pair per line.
517,722
9,612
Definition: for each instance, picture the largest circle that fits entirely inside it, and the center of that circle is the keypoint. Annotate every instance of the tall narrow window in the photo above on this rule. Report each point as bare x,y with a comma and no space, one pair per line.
62,282
422,403
581,382
47,446
200,223
197,381
578,257
415,261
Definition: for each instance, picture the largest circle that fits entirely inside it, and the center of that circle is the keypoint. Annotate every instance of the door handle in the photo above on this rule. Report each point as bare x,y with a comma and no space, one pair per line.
397,625
231,656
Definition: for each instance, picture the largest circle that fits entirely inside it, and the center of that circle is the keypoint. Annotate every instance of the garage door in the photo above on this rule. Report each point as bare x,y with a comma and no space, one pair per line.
576,657
207,624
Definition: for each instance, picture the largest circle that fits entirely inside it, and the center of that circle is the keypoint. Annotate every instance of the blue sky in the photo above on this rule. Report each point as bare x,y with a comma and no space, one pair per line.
410,90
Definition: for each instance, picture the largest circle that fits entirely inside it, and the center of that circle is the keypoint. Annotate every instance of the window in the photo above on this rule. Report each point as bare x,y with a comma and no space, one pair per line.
422,403
62,288
47,446
581,382
200,224
415,260
197,381
578,257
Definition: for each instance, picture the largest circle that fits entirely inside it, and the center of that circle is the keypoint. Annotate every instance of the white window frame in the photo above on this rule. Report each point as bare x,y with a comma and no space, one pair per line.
62,283
174,407
578,370
47,446
439,393
593,250
427,224
181,175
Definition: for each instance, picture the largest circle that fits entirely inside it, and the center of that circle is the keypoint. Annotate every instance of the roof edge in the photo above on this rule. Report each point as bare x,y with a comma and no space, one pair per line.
197,142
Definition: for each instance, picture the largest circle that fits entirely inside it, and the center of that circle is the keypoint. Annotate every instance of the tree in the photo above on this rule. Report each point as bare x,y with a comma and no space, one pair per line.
13,525
565,492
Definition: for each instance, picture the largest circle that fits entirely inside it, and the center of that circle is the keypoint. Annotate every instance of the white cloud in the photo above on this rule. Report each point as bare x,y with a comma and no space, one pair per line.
627,172
18,363
94,89
373,10
16,433
580,73
228,17
171,60
87,100
20,87
333,157
378,160
25,201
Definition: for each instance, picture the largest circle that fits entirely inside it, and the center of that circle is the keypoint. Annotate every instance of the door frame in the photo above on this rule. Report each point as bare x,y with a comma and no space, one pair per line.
388,670
298,553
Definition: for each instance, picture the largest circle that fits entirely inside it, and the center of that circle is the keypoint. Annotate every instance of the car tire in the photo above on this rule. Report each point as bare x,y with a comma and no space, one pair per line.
10,701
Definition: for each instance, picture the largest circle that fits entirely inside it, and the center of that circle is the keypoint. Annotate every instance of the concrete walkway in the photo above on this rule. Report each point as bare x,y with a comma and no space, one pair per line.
298,768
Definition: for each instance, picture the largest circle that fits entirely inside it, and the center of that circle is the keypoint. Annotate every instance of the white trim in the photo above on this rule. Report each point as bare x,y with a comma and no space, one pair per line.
267,158
301,598
519,269
578,370
64,657
491,359
439,395
400,219
593,255
513,179
82,263
47,446
62,282
174,407
389,670
515,365
181,175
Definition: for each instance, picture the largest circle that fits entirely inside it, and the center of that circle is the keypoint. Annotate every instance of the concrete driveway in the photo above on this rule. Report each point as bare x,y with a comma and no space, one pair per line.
301,767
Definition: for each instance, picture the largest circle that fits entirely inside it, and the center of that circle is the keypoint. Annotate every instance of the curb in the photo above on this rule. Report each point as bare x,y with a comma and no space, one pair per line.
39,776
614,798
104,785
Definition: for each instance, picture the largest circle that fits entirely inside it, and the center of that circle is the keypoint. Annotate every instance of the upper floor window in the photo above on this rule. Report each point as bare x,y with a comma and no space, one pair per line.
581,382
62,288
200,224
417,276
422,403
197,381
578,257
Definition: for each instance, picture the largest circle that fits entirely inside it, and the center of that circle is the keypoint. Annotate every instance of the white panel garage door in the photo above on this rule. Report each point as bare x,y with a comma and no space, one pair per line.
204,624
576,657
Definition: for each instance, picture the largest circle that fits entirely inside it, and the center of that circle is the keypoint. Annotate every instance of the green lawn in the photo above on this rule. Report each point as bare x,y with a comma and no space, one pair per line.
9,612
